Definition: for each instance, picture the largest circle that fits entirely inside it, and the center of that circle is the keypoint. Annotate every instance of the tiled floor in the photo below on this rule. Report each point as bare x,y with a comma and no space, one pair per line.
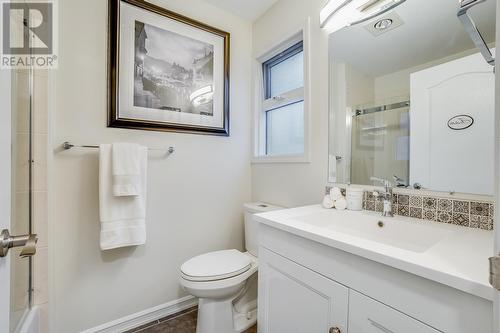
184,322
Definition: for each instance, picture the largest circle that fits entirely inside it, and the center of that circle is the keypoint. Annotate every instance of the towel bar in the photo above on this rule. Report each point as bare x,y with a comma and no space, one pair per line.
68,145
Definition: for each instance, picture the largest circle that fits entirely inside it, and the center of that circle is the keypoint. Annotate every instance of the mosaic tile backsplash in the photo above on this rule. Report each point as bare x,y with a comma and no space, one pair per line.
472,214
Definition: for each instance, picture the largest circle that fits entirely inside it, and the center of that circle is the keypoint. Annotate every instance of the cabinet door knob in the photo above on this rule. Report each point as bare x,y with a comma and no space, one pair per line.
334,330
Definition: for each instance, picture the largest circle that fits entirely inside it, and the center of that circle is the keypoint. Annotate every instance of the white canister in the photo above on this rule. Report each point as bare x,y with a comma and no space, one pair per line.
354,197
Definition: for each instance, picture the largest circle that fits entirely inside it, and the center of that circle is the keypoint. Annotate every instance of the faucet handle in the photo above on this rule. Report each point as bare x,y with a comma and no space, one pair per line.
400,182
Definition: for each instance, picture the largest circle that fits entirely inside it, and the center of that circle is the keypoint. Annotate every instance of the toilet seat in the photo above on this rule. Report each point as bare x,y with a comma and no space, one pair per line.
223,288
214,266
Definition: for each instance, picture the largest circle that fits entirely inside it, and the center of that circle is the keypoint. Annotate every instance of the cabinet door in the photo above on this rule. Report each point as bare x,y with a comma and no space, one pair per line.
369,316
294,299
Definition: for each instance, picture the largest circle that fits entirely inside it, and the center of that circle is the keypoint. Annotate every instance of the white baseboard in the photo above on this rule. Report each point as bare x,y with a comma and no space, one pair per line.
145,316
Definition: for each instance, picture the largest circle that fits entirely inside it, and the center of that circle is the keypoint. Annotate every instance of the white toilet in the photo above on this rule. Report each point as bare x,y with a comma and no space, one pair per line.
226,281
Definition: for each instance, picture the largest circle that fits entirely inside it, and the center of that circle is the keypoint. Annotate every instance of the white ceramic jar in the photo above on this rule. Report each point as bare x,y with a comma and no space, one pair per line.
354,197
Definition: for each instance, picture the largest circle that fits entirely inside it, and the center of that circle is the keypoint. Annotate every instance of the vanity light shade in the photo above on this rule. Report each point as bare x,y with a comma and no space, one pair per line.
338,14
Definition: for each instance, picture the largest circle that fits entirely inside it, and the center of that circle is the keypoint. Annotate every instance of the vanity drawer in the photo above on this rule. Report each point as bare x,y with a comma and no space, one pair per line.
369,316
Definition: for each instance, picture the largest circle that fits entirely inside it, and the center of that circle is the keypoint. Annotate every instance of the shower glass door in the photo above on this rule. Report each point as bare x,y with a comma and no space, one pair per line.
22,118
24,105
380,143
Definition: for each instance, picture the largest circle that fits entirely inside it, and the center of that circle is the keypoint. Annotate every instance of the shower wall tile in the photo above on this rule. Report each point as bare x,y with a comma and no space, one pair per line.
40,217
39,177
40,102
19,281
20,222
44,318
21,100
41,278
40,202
20,174
40,149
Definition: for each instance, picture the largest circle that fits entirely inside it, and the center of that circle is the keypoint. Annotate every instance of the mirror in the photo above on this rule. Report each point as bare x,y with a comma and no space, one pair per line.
412,100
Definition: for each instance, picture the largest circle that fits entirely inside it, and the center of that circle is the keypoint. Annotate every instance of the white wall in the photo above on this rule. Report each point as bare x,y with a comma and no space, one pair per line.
395,87
297,184
195,196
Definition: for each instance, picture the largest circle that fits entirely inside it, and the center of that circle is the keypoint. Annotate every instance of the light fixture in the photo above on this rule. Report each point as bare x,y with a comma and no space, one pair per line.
338,14
383,24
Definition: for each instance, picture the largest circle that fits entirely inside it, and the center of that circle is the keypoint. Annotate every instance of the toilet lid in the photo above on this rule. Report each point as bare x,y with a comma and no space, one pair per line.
216,266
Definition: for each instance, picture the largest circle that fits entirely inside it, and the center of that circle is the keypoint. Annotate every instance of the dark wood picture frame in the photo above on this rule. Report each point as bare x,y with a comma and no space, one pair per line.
114,76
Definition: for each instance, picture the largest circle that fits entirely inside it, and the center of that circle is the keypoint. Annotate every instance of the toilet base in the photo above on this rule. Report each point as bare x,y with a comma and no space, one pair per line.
220,317
227,305
232,315
215,316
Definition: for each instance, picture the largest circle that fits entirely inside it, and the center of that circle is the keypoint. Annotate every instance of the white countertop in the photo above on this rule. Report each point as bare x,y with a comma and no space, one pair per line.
458,260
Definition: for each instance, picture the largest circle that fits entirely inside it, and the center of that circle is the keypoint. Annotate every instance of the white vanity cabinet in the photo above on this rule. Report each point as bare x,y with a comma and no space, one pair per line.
299,300
309,287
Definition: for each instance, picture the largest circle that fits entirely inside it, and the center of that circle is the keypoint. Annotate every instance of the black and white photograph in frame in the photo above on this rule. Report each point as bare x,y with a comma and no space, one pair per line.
167,72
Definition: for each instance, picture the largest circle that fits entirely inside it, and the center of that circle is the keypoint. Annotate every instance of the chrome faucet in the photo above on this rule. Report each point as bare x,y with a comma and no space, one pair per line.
385,196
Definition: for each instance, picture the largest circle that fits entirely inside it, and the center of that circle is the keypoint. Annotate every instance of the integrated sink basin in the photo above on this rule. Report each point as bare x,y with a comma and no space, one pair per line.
416,236
449,254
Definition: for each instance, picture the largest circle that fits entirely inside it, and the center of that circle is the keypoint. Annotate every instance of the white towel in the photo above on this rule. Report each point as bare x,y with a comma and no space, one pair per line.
328,202
341,204
126,169
123,219
336,193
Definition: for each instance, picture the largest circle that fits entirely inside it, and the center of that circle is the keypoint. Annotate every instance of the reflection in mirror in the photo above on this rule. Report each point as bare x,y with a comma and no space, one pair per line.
412,99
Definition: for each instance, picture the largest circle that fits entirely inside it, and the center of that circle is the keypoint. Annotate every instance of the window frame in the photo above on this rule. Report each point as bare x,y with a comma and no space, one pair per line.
277,59
263,102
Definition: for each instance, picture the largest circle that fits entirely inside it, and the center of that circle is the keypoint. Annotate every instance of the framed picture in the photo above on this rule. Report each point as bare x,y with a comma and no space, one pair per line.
167,72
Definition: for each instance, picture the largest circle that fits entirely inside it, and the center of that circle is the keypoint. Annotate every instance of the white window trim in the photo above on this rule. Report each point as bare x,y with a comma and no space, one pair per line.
259,132
290,97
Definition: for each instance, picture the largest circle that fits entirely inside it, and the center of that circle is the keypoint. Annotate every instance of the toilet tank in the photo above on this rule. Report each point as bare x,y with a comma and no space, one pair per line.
252,226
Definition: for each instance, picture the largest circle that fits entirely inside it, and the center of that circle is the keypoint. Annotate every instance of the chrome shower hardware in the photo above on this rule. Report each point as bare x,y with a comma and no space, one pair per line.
472,30
27,242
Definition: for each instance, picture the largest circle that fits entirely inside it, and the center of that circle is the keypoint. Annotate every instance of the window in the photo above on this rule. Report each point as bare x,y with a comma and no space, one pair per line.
283,105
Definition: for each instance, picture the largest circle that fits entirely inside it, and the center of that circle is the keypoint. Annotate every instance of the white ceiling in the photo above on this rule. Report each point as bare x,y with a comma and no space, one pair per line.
431,31
247,9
